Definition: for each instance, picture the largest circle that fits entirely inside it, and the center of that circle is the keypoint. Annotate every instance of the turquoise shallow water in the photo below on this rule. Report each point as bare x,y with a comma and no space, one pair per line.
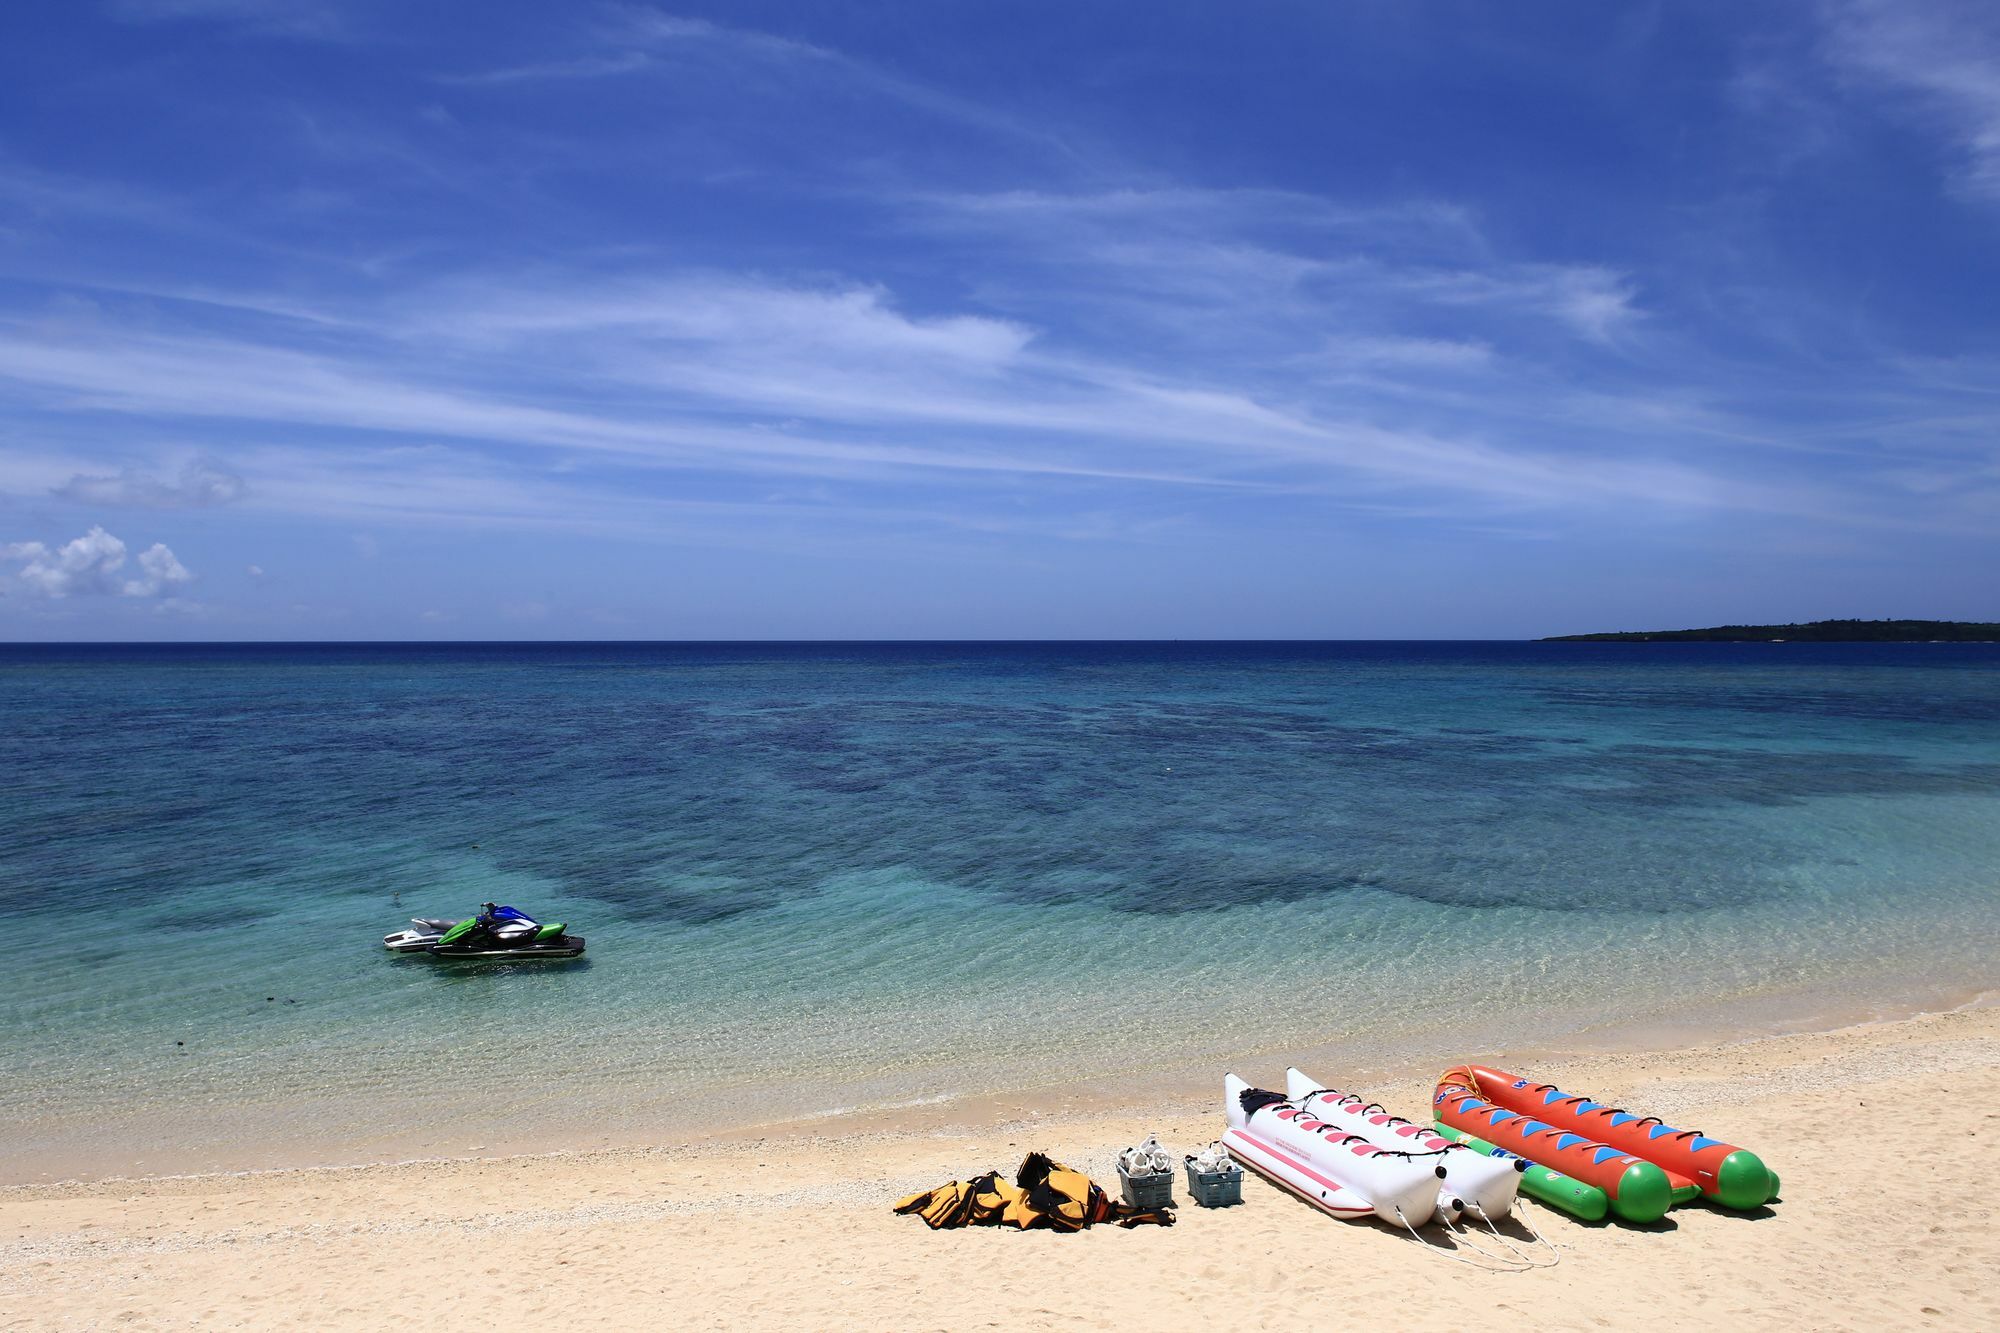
818,877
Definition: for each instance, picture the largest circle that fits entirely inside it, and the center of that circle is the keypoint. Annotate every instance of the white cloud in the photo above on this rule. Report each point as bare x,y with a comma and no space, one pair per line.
160,570
90,564
851,323
1944,55
199,485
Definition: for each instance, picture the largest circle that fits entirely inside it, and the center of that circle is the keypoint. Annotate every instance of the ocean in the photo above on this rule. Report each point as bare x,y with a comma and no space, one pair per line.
819,879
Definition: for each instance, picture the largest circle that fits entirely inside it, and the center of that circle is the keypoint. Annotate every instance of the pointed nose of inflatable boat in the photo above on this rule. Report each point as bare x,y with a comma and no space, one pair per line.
1297,1085
1233,1089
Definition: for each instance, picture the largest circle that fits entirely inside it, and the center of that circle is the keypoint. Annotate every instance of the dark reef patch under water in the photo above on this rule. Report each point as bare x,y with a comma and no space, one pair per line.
695,783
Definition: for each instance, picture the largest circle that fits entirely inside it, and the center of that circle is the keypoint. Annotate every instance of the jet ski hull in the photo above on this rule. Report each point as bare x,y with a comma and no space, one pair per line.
422,933
563,946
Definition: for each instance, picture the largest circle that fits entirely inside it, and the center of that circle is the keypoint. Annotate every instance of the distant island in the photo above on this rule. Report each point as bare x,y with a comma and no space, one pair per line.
1817,631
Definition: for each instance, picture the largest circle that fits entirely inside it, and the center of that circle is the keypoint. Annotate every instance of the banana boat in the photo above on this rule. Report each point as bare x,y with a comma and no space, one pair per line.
1295,1176
1539,1182
1328,1167
1637,1190
1730,1176
1482,1185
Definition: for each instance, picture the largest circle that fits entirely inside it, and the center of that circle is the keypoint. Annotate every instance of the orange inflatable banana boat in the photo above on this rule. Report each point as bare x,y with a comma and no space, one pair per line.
1638,1190
1724,1173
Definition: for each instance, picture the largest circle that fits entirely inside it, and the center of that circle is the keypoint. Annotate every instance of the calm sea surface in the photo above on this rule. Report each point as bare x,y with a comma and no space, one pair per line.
817,877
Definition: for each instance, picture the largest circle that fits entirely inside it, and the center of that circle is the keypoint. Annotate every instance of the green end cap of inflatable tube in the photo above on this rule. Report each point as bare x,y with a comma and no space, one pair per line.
1643,1193
1772,1197
1743,1181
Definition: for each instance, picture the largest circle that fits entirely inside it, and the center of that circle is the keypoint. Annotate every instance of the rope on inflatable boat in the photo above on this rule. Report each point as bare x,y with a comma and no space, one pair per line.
1526,1258
1457,1228
1497,1264
1521,1216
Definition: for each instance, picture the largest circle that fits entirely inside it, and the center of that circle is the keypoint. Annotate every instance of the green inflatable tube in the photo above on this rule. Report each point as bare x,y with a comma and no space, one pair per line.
1538,1182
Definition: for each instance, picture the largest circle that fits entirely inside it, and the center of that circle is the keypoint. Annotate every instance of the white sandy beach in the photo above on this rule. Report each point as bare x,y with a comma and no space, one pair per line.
1887,1137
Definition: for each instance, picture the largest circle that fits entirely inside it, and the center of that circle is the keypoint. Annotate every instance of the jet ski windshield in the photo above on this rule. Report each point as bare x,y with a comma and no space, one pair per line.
497,921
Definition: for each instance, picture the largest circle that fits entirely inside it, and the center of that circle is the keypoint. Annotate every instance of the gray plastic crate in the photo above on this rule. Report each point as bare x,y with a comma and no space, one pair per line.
1151,1191
1215,1189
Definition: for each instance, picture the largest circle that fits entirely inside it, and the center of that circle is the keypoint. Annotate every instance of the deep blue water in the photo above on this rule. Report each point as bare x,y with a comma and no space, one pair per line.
821,875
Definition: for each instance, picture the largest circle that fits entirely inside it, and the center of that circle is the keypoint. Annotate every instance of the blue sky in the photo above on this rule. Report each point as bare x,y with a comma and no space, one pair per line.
372,320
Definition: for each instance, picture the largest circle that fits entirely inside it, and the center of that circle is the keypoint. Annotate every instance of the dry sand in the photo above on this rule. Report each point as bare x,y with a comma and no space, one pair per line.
1887,1137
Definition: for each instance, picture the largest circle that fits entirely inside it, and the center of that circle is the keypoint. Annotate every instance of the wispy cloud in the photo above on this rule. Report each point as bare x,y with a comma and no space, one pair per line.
1944,56
1596,302
178,375
199,485
727,375
577,67
636,37
1277,253
639,40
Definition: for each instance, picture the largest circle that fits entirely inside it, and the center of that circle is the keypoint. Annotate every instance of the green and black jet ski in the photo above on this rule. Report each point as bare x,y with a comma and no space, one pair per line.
504,933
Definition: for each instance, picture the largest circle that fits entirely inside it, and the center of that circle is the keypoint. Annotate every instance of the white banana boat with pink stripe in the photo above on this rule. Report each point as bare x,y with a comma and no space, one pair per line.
1295,1175
1331,1168
1474,1182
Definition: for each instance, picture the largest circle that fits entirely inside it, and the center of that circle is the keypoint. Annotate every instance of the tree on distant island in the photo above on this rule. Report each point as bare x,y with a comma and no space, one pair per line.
1816,631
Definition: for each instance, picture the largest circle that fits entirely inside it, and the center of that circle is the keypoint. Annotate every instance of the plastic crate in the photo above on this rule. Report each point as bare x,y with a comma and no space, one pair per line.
1215,1189
1149,1191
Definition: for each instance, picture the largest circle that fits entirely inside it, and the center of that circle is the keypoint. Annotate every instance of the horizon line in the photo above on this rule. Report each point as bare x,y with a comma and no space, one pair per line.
872,642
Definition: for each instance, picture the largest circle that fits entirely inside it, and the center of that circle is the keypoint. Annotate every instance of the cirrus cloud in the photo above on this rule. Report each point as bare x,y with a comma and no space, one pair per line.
199,485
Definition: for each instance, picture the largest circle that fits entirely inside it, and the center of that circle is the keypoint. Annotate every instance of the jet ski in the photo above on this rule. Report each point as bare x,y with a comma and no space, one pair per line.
423,933
498,932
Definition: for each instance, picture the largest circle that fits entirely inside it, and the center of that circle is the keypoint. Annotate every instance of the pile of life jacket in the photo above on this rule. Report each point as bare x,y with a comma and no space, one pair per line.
1043,1193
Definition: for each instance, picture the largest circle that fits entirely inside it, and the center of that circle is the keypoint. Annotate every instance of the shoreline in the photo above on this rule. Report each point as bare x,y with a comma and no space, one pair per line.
793,1229
1181,1089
